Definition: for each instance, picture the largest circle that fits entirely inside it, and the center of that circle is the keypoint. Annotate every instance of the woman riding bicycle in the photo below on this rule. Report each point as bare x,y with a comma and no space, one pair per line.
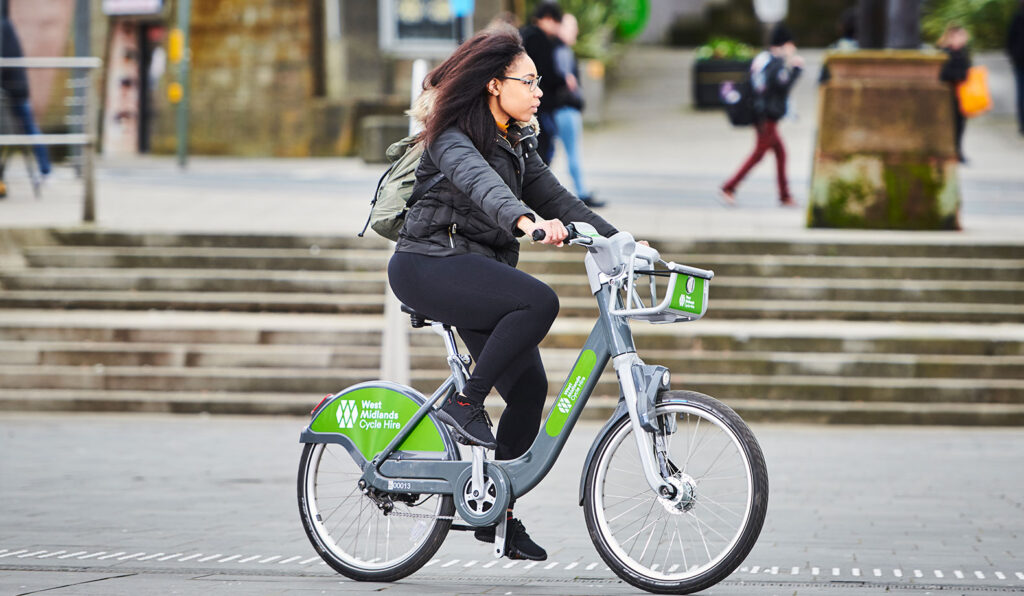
457,251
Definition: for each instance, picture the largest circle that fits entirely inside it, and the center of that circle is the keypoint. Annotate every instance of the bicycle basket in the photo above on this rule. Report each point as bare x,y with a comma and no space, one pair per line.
685,296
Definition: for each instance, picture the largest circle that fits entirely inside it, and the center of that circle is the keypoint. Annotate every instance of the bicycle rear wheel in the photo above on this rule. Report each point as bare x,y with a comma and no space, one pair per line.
351,531
688,543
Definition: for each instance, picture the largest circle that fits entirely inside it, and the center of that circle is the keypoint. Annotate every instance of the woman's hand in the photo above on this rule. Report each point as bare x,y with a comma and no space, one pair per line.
554,232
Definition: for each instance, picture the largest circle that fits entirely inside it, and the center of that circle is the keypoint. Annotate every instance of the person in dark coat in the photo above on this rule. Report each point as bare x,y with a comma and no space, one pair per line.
457,251
540,38
14,82
954,71
772,74
1015,48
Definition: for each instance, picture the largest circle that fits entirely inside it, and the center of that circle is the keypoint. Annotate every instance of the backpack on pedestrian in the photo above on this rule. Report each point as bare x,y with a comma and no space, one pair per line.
739,101
396,189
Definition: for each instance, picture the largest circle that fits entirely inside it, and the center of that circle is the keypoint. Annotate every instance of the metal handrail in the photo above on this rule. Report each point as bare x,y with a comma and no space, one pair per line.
52,62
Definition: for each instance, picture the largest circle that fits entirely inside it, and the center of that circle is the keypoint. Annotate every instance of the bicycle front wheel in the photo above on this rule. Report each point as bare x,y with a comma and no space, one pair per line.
367,537
692,540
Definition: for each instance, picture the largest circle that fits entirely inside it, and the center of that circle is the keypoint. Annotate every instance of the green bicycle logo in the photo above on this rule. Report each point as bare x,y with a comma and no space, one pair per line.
348,413
564,405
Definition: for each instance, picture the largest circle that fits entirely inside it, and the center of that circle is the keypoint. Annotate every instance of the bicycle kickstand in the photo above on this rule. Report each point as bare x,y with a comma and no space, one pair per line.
478,489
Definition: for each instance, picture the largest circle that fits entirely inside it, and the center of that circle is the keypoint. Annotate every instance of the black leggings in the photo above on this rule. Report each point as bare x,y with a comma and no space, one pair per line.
502,314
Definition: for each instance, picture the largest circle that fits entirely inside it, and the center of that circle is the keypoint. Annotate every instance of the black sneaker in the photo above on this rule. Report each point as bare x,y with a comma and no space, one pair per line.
469,420
518,544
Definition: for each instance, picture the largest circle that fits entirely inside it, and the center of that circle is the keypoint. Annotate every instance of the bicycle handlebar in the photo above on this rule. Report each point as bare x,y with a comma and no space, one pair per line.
540,235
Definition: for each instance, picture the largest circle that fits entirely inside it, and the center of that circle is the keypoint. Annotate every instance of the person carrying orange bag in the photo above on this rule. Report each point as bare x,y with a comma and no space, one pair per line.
954,72
973,93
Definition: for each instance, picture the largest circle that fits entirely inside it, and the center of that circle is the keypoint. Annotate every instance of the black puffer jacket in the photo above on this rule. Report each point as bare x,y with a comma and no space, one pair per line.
475,207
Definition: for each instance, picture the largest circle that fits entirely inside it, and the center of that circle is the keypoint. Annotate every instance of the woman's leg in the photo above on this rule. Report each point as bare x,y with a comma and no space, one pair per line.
570,130
476,293
774,140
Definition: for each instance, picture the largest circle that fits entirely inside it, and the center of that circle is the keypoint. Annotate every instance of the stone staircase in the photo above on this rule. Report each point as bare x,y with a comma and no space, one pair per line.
800,331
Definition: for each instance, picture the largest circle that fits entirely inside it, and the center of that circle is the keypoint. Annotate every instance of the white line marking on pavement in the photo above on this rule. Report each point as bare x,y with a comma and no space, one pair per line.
226,559
1020,576
209,558
308,561
432,561
131,556
856,572
877,572
148,557
38,552
775,570
169,557
550,565
102,552
190,557
490,564
794,571
13,553
979,575
53,554
450,563
574,563
289,560
815,571
999,575
939,574
511,564
755,568
959,574
592,565
269,559
247,559
835,571
918,573
104,557
74,554
2,550
471,563
897,572
531,564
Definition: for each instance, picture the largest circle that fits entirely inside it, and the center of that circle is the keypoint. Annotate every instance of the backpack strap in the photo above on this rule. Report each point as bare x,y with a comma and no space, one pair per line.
419,191
373,201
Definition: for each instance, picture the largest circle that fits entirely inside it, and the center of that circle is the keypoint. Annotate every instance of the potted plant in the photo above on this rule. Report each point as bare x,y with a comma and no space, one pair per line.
721,59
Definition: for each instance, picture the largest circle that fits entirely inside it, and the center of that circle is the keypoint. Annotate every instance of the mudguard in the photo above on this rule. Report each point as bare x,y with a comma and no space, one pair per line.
620,412
365,418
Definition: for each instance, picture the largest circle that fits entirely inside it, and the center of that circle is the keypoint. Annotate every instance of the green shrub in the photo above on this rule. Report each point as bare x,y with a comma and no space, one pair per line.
986,20
727,48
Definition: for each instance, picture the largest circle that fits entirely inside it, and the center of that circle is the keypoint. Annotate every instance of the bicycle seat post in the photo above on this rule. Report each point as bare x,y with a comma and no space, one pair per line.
456,361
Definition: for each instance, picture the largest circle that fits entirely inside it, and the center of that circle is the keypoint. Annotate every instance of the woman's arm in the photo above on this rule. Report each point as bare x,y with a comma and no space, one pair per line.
458,159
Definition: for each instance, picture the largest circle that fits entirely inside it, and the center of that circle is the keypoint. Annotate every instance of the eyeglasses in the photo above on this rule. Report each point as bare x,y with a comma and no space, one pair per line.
533,82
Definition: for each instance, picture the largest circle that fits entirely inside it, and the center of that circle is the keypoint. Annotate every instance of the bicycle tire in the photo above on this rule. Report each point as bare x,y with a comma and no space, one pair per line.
317,495
679,574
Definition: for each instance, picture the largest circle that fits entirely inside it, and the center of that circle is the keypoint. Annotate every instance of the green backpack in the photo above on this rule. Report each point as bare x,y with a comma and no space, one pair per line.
395,193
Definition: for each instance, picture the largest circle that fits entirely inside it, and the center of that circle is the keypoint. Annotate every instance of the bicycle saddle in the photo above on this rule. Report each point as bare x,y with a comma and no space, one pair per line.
415,318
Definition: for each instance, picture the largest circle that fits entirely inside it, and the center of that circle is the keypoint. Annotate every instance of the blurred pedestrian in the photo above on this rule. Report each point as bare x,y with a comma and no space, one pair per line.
772,74
14,82
847,41
954,71
1015,47
539,38
569,115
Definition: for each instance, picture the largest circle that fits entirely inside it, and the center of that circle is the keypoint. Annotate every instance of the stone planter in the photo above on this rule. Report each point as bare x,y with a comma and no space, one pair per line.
885,157
708,76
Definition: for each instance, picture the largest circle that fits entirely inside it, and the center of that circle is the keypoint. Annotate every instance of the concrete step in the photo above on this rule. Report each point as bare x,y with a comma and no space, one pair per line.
192,280
814,266
727,386
559,361
819,412
706,335
873,246
562,262
566,285
211,301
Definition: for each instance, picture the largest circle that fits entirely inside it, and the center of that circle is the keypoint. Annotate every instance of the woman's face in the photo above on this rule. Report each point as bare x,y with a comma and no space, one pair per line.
511,98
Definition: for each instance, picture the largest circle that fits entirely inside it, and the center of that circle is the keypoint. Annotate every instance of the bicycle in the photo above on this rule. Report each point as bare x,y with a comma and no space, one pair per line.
674,487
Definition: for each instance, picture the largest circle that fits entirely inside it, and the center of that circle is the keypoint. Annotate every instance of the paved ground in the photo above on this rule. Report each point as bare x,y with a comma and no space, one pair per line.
192,505
656,161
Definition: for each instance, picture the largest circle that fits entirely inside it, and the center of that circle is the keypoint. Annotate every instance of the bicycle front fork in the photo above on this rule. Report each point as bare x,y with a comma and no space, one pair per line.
650,445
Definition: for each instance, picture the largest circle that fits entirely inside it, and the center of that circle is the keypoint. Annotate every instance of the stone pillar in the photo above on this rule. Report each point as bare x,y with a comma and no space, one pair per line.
885,157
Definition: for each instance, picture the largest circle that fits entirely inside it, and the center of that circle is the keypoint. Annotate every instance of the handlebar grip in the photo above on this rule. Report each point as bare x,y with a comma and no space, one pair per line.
539,235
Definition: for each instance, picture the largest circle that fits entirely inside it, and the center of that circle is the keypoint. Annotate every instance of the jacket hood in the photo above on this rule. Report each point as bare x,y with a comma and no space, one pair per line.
424,106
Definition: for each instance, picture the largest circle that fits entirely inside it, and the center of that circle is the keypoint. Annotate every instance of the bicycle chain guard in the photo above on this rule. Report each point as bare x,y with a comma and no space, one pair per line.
488,508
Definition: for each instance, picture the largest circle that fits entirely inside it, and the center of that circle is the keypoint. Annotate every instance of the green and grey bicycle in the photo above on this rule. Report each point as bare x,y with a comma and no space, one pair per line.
674,487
